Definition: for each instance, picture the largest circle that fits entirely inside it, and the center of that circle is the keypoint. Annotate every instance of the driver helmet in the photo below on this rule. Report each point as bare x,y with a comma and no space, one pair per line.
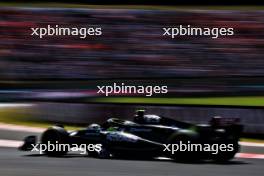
139,116
216,121
94,127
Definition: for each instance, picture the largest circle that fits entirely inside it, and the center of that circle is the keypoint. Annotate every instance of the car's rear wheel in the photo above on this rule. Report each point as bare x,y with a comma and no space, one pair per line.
224,156
184,155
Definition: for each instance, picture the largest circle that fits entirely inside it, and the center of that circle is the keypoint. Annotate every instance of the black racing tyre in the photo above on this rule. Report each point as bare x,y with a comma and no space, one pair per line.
225,156
56,136
93,154
184,156
104,153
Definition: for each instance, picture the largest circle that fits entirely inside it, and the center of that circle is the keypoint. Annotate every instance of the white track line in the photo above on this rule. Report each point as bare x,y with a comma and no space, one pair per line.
238,155
10,143
250,155
251,144
11,127
14,105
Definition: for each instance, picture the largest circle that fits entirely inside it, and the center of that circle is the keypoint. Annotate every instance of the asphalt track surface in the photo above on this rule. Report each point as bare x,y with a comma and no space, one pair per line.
17,163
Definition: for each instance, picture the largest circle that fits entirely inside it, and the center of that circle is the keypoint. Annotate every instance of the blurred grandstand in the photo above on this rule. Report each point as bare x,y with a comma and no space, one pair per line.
132,47
132,50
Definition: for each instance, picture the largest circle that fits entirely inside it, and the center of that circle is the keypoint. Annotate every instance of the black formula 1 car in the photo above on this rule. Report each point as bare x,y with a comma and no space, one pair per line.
149,136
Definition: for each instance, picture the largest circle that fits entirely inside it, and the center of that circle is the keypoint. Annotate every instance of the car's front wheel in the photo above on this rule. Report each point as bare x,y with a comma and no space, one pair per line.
55,141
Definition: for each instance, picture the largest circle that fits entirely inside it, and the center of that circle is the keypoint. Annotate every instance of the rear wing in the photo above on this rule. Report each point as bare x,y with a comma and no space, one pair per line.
223,121
231,125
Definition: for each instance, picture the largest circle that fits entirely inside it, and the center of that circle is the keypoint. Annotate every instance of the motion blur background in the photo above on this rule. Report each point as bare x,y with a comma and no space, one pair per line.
55,79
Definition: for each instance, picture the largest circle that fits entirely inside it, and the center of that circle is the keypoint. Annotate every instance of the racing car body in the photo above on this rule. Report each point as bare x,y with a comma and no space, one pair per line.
148,137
